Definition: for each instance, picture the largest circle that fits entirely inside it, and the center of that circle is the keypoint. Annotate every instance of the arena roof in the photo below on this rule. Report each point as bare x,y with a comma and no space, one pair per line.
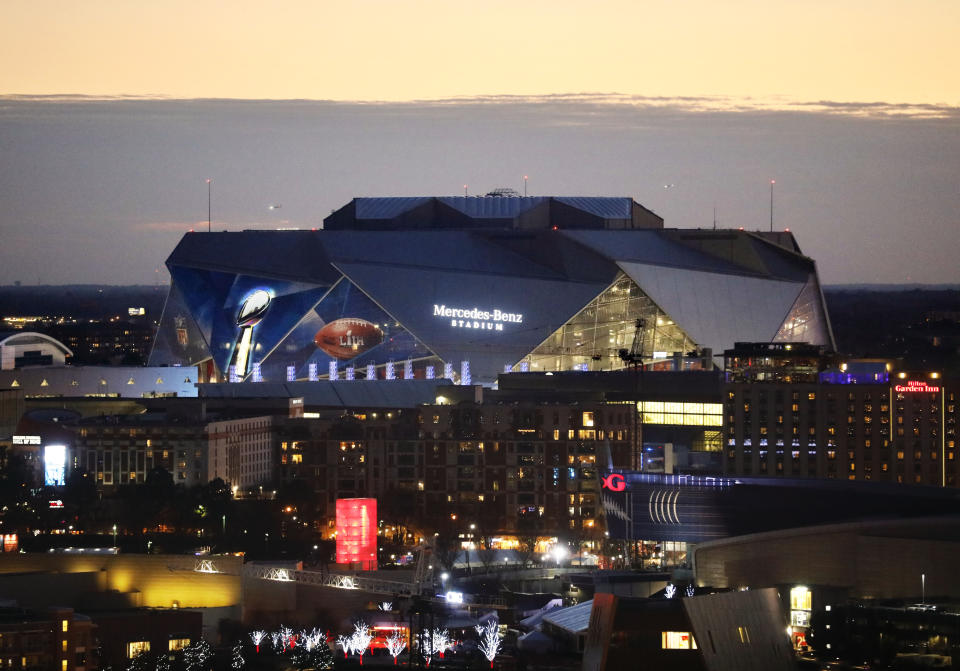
575,273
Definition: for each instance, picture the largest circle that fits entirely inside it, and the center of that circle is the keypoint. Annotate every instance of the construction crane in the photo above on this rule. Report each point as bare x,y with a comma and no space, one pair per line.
634,356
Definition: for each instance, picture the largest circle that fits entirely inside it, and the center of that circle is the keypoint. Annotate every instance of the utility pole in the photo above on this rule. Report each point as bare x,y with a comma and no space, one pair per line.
208,204
772,182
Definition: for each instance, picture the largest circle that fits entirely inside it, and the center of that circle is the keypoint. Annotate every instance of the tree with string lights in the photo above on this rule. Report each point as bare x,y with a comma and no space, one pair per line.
360,639
257,638
490,639
396,644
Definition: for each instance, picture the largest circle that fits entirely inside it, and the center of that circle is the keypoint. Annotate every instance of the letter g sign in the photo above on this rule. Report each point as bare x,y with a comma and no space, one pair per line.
614,482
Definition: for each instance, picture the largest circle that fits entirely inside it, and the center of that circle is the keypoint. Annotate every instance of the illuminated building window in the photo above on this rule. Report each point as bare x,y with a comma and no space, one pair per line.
588,419
744,634
801,598
64,625
134,648
677,640
63,645
178,644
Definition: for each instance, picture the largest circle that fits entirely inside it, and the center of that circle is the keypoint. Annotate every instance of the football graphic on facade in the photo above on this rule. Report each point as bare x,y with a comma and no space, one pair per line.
348,337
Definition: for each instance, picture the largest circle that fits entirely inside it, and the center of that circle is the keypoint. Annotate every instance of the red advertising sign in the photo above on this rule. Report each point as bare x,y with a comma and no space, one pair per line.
614,482
916,386
357,532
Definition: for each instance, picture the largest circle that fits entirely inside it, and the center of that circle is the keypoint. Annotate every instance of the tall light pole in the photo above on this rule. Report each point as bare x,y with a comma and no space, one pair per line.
772,182
524,186
208,204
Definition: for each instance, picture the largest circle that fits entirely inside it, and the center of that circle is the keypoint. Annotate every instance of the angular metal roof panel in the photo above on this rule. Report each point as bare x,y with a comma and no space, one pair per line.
603,207
648,246
295,255
492,207
386,208
431,250
573,619
410,294
717,310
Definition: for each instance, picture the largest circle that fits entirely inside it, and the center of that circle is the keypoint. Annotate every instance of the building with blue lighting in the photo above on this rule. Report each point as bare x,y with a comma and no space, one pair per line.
468,287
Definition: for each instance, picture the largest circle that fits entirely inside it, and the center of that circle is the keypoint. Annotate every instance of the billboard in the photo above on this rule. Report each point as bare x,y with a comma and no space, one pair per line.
357,532
54,464
348,328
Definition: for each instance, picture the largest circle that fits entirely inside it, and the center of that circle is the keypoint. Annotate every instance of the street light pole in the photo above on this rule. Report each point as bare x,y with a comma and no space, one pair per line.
772,182
208,204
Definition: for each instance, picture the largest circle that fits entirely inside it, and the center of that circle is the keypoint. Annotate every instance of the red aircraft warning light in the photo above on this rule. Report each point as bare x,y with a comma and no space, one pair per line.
357,532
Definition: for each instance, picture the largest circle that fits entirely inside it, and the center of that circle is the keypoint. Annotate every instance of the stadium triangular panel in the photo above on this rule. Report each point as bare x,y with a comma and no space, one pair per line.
497,319
179,341
717,309
593,338
806,321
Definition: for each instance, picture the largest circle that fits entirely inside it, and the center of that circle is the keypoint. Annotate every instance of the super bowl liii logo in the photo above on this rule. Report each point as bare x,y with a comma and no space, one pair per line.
475,318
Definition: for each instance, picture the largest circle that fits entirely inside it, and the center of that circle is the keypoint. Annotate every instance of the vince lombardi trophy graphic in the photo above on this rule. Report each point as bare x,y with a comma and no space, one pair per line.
252,310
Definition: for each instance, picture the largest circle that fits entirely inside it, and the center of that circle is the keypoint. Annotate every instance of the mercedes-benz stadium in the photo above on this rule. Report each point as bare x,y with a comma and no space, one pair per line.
468,287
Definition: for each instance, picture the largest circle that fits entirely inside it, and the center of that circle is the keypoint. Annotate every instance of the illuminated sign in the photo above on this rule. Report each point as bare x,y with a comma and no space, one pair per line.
357,532
54,464
475,318
26,440
348,337
614,482
56,503
252,310
454,597
916,386
10,542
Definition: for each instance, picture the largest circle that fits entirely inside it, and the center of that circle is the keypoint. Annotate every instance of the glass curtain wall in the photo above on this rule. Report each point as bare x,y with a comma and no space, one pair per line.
593,338
806,321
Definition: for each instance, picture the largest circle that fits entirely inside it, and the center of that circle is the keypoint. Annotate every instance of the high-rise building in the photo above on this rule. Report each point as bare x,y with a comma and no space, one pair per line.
794,411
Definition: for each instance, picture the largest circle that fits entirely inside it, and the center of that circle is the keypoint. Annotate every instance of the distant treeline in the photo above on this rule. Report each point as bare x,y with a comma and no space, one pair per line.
82,301
920,325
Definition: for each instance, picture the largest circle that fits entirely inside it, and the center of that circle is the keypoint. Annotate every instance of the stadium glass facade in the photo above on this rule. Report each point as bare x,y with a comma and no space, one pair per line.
469,287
